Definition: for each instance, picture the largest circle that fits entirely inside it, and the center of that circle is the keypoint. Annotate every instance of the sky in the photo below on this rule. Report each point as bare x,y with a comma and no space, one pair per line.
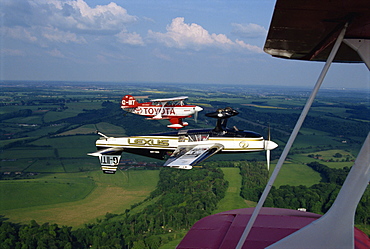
154,41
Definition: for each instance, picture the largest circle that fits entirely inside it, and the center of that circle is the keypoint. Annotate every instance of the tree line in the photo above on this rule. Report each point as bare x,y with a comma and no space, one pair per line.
180,199
286,122
317,198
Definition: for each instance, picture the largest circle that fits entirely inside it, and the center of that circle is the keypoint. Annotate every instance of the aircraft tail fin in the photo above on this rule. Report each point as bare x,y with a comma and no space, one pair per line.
109,157
128,101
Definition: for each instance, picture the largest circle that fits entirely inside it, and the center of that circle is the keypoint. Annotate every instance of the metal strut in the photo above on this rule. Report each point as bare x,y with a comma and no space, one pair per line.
292,138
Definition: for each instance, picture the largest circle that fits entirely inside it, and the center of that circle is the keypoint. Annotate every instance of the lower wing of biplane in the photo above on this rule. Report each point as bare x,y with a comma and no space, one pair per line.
184,157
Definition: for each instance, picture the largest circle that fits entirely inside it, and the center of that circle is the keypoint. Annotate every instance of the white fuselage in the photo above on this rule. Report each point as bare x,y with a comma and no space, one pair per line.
178,111
170,143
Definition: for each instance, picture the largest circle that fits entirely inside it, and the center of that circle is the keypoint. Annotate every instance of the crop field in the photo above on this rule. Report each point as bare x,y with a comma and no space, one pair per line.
232,199
82,130
295,174
28,152
110,129
74,199
317,141
69,146
55,189
45,166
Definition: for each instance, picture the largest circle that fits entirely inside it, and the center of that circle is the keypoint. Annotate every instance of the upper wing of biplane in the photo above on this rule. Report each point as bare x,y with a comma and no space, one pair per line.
185,157
307,30
170,99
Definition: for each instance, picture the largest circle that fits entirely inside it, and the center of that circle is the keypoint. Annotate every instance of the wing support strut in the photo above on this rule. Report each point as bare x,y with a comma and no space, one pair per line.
362,47
335,229
292,138
159,114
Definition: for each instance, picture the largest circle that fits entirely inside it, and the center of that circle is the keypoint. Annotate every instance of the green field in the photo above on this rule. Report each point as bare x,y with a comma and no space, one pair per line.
295,174
232,199
47,175
74,199
55,189
111,130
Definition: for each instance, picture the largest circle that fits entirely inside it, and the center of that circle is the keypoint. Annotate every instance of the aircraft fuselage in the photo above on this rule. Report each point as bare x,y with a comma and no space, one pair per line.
157,145
183,149
166,112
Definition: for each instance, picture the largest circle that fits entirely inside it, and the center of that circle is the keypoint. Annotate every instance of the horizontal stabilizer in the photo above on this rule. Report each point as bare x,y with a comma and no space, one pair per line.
175,126
108,151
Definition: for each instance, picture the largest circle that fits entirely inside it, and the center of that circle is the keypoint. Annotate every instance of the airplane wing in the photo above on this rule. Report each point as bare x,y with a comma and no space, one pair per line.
109,159
307,30
185,157
170,99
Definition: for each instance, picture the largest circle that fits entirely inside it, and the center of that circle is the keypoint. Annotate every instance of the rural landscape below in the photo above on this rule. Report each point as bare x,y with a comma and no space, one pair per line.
52,191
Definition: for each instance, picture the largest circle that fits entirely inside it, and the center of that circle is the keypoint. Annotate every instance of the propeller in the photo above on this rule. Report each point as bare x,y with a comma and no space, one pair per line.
196,110
268,155
269,145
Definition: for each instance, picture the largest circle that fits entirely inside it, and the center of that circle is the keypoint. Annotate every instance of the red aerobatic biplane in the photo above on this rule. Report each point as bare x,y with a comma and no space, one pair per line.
173,109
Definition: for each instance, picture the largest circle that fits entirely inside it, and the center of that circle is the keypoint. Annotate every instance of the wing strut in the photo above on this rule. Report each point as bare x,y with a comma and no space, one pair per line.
292,138
336,224
159,114
362,46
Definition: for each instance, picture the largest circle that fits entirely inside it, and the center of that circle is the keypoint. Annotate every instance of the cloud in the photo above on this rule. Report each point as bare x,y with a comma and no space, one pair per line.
157,53
250,30
106,57
18,33
249,47
193,36
62,21
182,35
56,53
11,52
56,35
79,16
130,38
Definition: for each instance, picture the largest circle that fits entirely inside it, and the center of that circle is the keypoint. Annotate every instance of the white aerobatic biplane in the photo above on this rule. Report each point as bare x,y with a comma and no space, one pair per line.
173,109
186,148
